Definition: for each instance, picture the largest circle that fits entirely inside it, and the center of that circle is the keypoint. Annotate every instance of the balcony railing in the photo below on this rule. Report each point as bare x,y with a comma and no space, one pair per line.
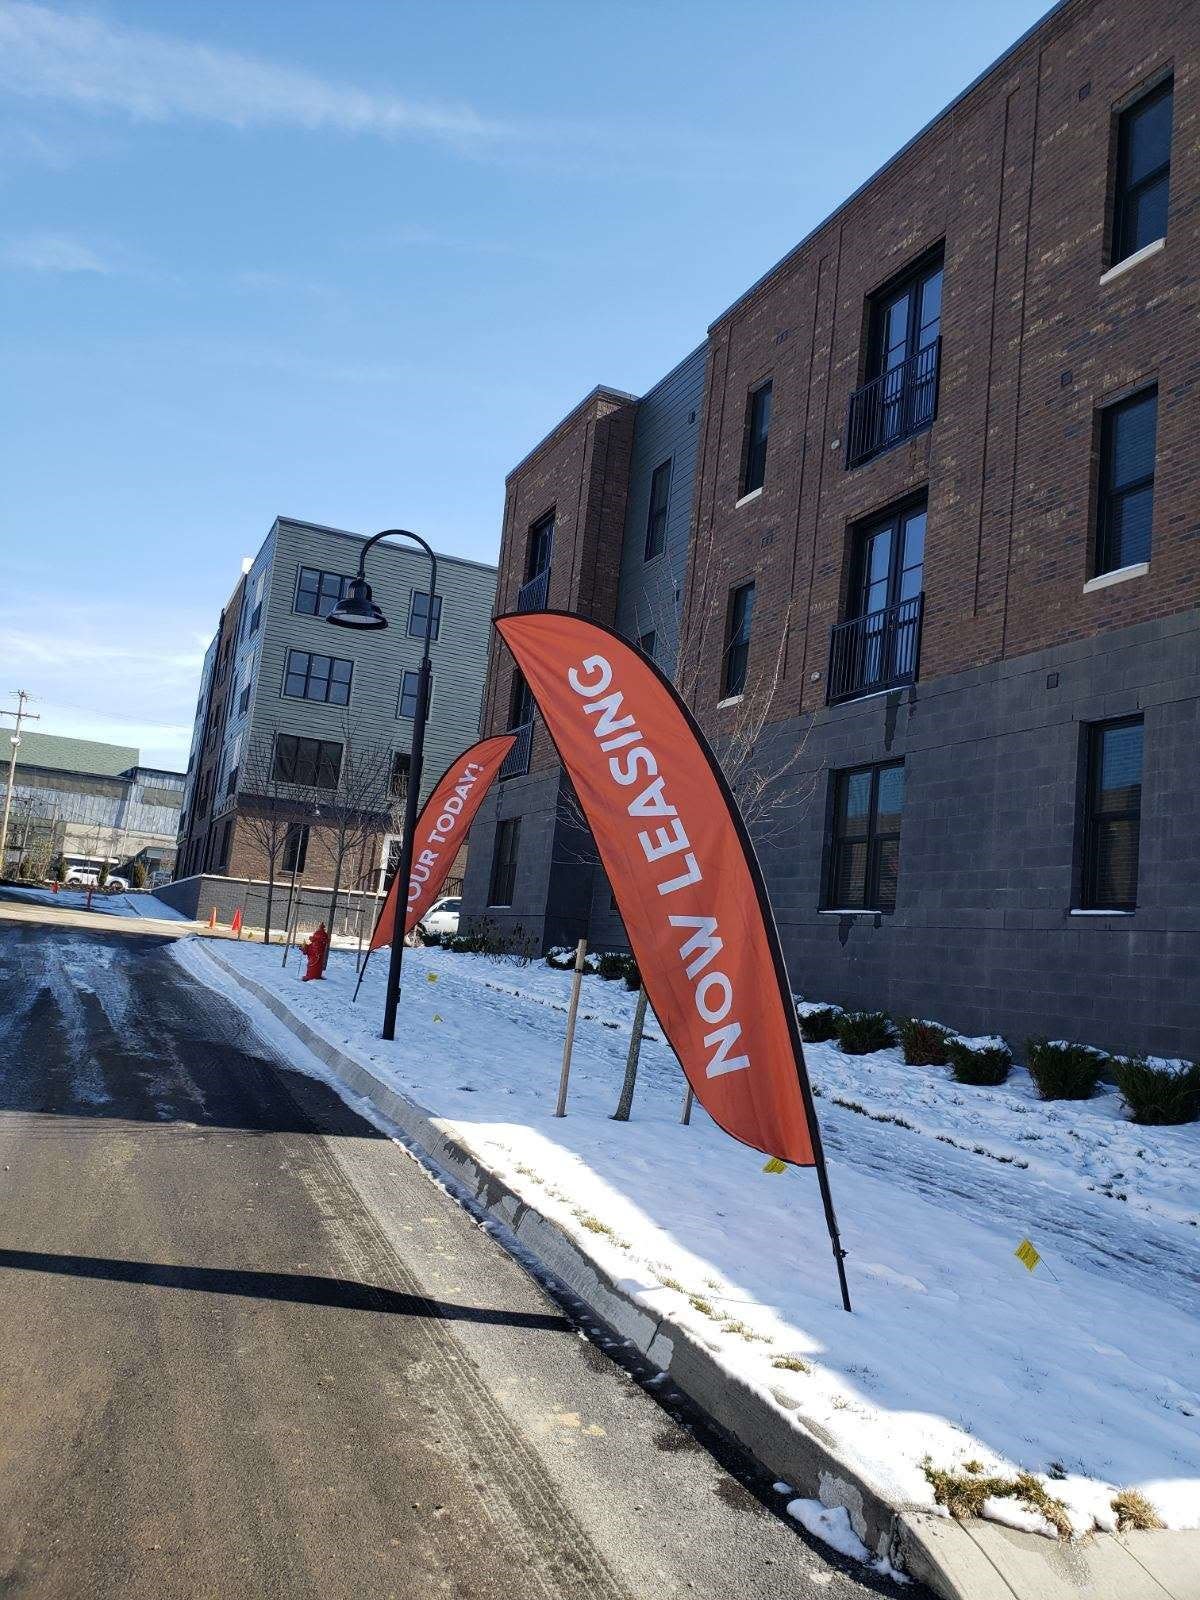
879,651
897,404
516,762
532,596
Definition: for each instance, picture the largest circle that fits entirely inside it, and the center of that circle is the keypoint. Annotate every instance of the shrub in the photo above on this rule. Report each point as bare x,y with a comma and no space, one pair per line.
923,1043
980,1061
1064,1071
102,875
138,876
614,964
818,1023
861,1032
1159,1093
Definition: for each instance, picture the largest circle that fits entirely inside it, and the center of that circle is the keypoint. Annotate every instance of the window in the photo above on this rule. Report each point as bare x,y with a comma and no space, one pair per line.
504,863
898,396
541,546
1143,172
656,520
221,864
401,766
311,763
865,858
295,848
758,428
313,677
418,611
737,640
647,642
409,685
878,645
1112,815
520,701
318,592
1126,498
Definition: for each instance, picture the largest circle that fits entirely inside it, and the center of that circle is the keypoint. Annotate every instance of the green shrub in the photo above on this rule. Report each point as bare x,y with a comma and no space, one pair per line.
614,964
980,1061
138,876
1159,1093
923,1043
1064,1071
818,1023
859,1033
102,875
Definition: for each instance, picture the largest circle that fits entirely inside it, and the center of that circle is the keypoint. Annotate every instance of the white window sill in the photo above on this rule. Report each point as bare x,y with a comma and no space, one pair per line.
1100,913
855,911
746,498
1143,254
732,700
1136,569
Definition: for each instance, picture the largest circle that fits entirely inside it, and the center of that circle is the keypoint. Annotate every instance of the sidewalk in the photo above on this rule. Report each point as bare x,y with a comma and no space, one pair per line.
977,1560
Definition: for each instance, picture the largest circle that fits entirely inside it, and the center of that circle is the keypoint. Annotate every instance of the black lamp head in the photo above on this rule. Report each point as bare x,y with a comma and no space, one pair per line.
357,610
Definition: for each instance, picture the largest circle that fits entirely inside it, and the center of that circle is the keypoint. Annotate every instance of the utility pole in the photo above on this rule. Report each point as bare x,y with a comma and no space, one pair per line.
21,715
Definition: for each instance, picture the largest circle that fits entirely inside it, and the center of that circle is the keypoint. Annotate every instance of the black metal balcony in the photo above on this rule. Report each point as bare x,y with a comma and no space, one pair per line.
532,596
879,651
894,406
516,762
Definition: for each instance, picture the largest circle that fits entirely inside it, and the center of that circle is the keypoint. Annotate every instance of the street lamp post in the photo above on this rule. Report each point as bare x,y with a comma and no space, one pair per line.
358,610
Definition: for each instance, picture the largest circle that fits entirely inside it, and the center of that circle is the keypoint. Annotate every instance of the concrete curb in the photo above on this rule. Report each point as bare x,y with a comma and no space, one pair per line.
958,1561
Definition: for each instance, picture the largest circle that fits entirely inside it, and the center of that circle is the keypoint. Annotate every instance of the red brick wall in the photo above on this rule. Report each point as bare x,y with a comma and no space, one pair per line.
1015,182
580,472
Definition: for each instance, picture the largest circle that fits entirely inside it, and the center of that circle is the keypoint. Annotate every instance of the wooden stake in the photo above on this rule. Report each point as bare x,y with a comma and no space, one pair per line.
685,1116
580,953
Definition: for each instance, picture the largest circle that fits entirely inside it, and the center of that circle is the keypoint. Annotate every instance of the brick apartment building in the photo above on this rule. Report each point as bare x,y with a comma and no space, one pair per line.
918,532
285,696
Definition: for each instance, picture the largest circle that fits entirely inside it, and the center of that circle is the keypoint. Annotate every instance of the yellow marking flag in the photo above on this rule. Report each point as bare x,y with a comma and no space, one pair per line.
1026,1254
775,1165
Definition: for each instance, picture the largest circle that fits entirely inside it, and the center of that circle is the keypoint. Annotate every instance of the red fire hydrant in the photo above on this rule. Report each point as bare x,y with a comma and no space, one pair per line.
315,947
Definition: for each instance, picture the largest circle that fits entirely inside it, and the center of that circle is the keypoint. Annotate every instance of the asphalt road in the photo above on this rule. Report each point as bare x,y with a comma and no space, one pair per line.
248,1348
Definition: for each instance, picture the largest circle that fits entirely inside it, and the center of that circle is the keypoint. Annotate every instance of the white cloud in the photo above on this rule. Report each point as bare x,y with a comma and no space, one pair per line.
102,672
90,62
53,252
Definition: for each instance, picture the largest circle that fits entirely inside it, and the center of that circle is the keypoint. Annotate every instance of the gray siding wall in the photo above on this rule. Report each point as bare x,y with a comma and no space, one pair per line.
459,654
667,428
983,937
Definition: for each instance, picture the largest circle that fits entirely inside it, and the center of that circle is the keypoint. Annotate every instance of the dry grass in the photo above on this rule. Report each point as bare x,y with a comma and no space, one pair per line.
791,1364
673,1283
699,1303
964,1492
740,1328
1135,1511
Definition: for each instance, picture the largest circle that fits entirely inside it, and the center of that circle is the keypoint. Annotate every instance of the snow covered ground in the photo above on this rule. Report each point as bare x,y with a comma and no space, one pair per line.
1086,1371
134,903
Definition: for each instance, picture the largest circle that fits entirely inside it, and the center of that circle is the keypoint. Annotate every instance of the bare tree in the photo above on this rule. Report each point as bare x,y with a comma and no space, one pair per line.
359,809
272,809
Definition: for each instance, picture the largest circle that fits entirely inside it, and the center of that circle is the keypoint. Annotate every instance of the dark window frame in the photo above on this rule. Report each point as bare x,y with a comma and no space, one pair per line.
1126,194
1092,816
757,437
646,643
295,848
658,509
539,543
401,767
416,630
502,883
316,752
735,657
344,580
838,839
911,278
330,682
405,696
521,704
1107,493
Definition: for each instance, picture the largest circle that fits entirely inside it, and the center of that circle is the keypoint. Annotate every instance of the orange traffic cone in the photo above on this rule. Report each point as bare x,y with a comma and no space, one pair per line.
212,918
236,925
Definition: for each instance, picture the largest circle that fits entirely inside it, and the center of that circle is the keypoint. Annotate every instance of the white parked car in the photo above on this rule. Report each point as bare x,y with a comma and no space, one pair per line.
442,916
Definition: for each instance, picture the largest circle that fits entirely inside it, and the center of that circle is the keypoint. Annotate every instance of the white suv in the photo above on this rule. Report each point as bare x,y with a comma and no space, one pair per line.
442,916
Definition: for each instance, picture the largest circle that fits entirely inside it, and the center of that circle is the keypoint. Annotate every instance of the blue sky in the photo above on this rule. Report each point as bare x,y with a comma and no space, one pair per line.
348,260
